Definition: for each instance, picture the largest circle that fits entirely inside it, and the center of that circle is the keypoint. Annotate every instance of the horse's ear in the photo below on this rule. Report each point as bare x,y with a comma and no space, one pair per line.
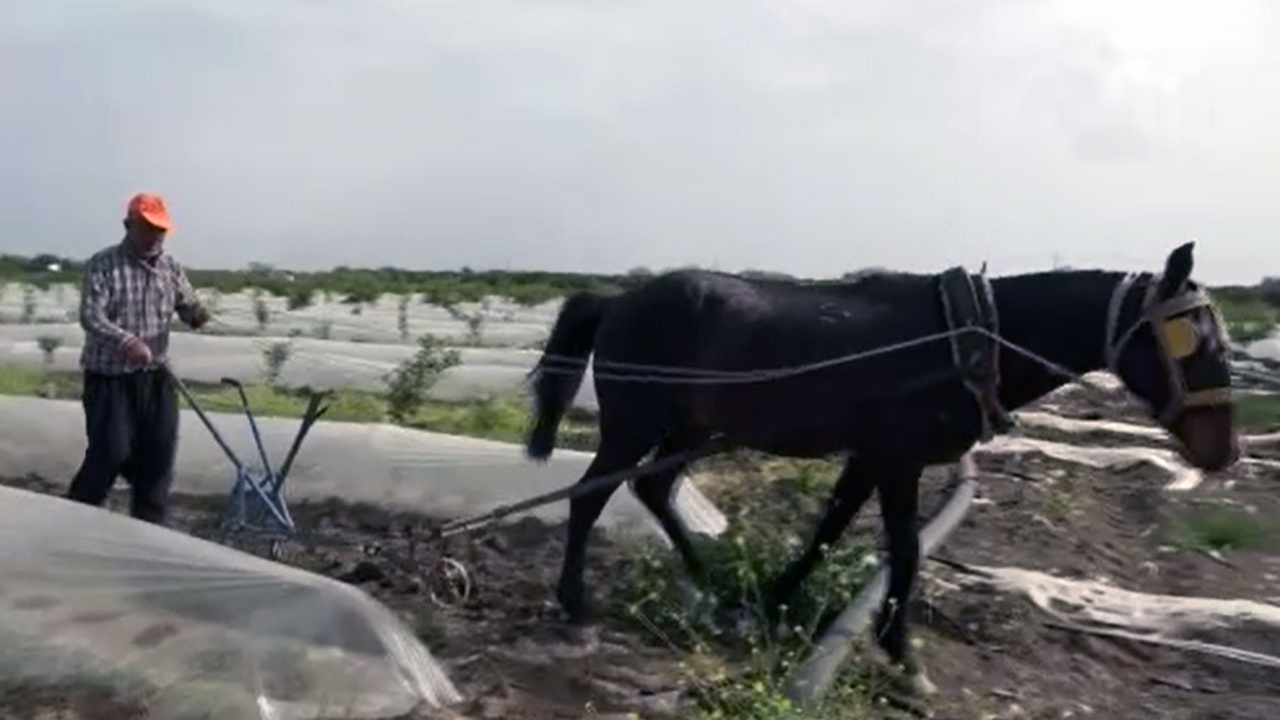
1177,270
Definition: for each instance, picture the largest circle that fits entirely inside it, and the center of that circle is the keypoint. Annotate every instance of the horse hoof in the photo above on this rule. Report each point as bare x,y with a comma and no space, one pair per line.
570,629
913,679
920,685
561,616
565,615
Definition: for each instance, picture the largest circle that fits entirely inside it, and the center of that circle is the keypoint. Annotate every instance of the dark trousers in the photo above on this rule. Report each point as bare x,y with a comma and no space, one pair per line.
132,424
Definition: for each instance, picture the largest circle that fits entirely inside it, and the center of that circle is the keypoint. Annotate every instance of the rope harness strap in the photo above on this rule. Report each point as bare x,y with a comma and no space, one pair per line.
967,304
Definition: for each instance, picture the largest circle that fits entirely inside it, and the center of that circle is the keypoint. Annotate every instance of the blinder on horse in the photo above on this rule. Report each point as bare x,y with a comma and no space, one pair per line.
1179,339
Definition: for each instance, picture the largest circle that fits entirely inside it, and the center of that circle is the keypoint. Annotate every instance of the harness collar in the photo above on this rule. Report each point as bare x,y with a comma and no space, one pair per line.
970,302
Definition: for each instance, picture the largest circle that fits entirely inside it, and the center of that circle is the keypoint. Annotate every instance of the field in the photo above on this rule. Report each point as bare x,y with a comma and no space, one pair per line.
1018,615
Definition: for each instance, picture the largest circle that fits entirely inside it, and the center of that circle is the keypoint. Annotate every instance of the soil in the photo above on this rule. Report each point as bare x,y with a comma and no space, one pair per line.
992,654
1001,656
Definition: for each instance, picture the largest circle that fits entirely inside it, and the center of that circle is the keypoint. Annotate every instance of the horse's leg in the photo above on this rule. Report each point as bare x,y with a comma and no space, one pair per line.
851,491
655,491
899,499
618,451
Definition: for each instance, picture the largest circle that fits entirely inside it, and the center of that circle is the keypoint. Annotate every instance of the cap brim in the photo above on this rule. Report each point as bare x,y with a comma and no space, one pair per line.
161,221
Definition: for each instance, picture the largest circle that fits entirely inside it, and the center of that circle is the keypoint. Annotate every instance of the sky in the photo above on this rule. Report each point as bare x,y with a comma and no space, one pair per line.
810,137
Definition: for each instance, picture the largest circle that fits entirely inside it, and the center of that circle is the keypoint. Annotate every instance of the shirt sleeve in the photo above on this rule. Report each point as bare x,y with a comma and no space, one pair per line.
186,302
94,294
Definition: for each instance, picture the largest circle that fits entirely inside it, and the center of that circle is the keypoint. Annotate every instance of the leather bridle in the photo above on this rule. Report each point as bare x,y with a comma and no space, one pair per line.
1156,313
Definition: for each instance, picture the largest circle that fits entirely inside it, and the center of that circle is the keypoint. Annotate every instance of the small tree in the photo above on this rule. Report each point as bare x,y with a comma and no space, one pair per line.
474,325
402,317
1269,291
28,303
49,345
273,360
300,297
409,383
261,312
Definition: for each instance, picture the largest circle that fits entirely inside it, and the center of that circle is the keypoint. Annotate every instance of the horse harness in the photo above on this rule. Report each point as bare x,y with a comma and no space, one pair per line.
1176,337
969,302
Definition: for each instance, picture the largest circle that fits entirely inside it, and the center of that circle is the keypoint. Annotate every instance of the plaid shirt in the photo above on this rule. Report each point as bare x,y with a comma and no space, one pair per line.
125,299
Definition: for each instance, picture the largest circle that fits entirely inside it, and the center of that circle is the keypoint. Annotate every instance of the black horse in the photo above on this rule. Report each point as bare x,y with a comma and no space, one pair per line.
706,335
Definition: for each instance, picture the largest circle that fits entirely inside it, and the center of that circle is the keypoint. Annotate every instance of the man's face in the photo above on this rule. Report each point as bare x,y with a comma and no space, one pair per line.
146,239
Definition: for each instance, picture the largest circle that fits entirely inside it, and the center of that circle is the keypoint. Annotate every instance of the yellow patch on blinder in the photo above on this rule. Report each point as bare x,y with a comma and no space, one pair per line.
1181,337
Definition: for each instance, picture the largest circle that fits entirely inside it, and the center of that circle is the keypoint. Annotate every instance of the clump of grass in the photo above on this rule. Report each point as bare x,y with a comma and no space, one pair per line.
345,406
738,664
496,417
22,380
1258,412
1248,317
1221,529
755,695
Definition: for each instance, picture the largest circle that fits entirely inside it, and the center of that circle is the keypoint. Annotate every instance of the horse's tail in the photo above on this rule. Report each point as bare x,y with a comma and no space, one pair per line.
558,374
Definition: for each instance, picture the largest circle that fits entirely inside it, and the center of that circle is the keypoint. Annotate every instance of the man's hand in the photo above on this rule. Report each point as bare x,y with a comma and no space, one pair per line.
137,352
199,317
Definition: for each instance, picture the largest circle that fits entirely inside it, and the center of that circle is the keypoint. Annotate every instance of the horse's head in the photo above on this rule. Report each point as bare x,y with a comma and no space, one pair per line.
1167,343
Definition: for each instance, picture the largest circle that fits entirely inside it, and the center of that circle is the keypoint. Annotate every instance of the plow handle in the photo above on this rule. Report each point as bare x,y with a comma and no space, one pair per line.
186,394
313,413
253,424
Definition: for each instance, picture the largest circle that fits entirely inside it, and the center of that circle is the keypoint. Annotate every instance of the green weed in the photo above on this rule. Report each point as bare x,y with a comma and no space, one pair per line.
1247,315
1258,413
1221,529
738,664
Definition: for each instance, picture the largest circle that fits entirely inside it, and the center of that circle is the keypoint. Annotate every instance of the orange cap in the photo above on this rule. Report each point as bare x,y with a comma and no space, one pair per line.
152,209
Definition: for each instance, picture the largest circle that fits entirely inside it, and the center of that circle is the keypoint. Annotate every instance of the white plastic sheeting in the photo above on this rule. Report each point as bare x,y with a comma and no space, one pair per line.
1050,421
1145,432
331,364
1093,602
434,473
207,631
1184,477
504,322
1268,348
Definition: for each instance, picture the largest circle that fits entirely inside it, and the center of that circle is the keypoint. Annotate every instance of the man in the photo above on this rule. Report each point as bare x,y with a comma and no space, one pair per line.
129,295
